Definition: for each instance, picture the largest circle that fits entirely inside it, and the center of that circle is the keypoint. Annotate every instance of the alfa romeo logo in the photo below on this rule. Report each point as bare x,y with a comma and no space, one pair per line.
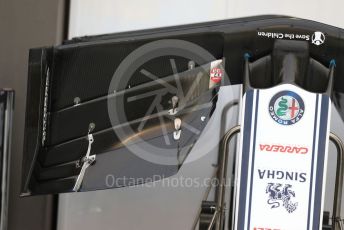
286,108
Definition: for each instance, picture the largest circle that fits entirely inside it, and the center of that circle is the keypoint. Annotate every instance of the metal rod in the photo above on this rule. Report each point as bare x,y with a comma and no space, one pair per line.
336,213
220,193
223,119
200,208
215,217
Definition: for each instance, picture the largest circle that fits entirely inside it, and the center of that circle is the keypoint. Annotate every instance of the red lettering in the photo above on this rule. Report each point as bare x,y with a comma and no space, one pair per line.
283,149
303,150
275,148
262,147
255,228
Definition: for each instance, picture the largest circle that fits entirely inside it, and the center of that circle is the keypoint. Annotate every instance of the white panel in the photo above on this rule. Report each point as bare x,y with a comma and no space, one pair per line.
90,17
329,12
108,16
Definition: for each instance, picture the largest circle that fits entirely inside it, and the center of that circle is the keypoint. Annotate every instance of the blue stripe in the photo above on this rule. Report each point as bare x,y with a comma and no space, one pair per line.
253,158
321,160
245,158
312,167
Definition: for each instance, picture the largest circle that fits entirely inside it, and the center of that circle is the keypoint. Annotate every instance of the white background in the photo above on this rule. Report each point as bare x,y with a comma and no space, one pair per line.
107,16
161,208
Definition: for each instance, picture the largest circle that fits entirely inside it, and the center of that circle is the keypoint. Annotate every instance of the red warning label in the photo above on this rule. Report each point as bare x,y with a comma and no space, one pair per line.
216,75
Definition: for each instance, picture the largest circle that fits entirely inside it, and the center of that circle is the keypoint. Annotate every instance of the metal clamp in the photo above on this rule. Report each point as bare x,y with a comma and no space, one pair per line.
177,127
86,161
174,110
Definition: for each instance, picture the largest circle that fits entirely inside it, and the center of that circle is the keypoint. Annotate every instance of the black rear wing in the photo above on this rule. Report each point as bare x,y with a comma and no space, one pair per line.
71,88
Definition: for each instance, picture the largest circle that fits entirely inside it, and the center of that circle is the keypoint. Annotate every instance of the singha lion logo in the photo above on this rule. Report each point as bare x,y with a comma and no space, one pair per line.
278,196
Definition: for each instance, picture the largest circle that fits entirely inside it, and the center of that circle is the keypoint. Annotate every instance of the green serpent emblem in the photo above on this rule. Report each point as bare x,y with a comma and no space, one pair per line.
283,107
286,107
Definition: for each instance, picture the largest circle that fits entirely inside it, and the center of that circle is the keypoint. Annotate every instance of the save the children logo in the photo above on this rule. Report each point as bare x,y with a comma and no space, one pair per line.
286,107
318,38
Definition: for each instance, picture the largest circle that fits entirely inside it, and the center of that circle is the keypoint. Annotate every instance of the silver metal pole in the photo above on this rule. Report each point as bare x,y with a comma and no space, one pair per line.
6,158
336,213
220,192
200,208
215,217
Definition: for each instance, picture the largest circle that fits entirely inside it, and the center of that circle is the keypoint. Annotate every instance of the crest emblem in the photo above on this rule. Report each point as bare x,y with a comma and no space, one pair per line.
286,108
281,196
